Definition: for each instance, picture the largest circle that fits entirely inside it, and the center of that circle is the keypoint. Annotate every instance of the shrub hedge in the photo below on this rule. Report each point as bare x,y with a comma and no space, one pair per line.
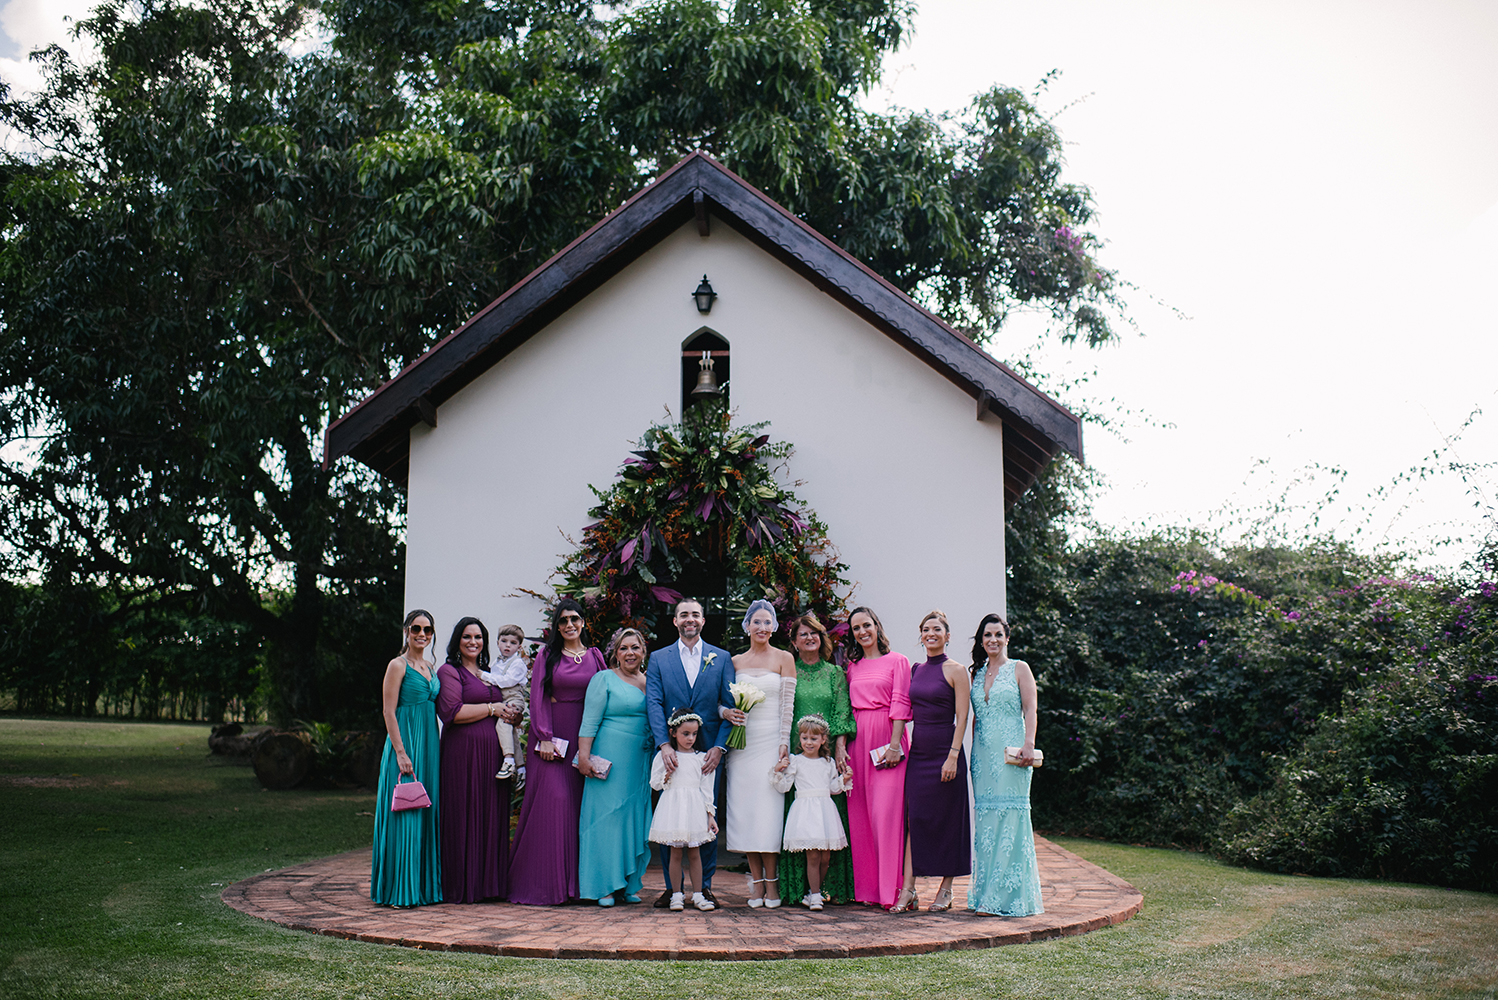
1303,709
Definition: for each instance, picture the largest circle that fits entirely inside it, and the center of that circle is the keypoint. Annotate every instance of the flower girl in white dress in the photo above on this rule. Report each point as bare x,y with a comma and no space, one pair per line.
813,825
683,818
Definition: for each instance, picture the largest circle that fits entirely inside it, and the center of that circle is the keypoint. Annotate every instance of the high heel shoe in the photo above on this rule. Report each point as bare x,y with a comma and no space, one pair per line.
942,902
906,902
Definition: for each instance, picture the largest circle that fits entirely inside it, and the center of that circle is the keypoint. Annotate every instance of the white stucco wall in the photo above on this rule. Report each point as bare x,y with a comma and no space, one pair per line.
909,482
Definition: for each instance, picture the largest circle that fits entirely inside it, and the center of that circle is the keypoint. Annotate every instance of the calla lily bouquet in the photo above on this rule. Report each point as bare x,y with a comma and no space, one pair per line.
745,697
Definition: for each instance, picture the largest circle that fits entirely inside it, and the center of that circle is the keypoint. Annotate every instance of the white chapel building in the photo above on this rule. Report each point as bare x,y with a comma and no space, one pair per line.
910,441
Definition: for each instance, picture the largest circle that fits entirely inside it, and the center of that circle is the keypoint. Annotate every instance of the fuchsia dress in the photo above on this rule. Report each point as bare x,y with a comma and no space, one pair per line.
880,692
543,860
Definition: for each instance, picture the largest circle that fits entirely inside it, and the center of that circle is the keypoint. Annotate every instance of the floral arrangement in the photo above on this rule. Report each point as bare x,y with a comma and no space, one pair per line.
700,499
745,697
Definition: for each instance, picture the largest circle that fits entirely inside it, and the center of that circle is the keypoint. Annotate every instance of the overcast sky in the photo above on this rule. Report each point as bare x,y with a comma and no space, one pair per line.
1305,195
1314,186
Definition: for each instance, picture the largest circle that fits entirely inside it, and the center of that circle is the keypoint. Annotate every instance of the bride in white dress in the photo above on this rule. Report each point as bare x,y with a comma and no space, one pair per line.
756,811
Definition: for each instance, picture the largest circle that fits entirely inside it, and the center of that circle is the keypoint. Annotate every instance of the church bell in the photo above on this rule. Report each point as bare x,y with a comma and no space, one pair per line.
707,383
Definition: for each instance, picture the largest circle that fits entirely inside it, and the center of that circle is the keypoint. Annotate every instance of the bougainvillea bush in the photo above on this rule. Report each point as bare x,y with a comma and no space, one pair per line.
1165,688
699,508
1306,709
1402,782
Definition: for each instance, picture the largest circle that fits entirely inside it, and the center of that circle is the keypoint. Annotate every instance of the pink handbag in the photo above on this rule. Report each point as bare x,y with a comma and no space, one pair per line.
409,796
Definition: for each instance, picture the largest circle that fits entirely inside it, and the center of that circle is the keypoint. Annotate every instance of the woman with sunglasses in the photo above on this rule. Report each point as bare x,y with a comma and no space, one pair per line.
543,863
406,869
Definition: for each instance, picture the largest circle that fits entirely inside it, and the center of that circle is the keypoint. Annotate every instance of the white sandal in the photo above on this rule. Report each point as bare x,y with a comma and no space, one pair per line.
755,902
771,904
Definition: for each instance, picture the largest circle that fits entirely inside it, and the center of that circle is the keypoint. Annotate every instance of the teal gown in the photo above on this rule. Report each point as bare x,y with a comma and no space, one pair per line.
614,824
1006,876
406,869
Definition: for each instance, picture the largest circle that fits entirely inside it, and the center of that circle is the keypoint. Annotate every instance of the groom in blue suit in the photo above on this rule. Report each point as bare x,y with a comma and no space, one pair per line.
691,674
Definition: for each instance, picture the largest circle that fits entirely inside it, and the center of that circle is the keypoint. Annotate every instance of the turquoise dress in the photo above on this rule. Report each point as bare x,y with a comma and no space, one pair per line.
614,826
406,869
1006,877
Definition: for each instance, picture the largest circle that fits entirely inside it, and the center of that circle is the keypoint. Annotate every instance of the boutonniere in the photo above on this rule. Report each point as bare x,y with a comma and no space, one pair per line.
709,658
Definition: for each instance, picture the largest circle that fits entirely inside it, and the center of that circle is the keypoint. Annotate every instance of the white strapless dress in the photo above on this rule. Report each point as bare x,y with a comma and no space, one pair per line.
756,811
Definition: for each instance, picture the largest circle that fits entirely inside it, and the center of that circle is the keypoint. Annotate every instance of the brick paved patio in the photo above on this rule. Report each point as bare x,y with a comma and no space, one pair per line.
331,897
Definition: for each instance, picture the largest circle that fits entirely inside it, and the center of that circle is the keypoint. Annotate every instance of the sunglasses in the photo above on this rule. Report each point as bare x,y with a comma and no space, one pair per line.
420,629
571,620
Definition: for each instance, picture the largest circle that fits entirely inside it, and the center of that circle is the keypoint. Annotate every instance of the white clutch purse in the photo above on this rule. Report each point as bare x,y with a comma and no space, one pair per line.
1011,756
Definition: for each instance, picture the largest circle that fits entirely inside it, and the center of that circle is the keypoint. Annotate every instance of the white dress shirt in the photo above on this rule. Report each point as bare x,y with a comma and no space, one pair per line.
691,660
507,673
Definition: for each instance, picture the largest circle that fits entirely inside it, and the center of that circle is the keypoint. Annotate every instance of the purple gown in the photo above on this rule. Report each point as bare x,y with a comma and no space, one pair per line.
543,863
474,831
936,811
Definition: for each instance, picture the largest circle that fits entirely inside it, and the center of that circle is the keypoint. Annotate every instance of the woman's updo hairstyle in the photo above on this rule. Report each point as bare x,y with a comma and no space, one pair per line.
758,606
611,653
940,616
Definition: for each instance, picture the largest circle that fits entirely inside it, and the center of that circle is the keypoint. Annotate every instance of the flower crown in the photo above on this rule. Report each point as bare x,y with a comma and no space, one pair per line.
677,720
813,720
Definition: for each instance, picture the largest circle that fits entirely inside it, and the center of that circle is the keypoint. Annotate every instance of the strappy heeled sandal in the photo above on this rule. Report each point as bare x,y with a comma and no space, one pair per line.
755,902
771,904
942,902
906,902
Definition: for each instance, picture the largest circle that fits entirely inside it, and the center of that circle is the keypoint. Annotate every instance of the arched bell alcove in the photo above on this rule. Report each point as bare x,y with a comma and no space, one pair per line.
704,339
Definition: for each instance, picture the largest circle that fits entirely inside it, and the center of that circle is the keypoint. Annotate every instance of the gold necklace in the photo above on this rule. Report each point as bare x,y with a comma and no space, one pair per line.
575,657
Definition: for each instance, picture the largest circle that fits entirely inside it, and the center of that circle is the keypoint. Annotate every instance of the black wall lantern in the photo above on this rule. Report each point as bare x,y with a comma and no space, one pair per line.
704,296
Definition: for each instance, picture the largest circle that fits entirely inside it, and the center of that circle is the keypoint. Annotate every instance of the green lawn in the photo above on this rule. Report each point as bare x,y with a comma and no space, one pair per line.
117,839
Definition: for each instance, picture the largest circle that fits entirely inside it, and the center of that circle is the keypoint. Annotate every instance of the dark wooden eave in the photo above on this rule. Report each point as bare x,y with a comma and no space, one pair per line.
377,431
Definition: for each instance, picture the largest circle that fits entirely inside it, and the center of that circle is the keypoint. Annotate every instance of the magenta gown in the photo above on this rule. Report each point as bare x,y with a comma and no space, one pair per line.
473,829
880,692
543,860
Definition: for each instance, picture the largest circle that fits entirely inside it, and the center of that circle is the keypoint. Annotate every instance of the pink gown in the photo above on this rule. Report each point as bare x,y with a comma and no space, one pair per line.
880,692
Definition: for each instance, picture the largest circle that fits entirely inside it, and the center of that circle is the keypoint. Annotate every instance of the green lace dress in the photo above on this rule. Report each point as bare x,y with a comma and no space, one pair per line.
821,688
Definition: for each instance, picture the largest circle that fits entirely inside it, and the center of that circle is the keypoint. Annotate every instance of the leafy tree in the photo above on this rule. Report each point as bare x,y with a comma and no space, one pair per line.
214,246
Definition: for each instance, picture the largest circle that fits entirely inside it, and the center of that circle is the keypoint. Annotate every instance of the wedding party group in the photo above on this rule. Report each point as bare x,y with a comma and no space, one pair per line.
839,778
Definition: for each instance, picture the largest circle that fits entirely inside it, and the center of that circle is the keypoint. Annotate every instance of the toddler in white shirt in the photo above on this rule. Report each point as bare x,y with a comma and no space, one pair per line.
511,673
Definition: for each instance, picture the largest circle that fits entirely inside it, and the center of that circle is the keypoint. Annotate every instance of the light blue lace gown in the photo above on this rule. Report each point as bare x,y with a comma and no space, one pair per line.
1006,877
